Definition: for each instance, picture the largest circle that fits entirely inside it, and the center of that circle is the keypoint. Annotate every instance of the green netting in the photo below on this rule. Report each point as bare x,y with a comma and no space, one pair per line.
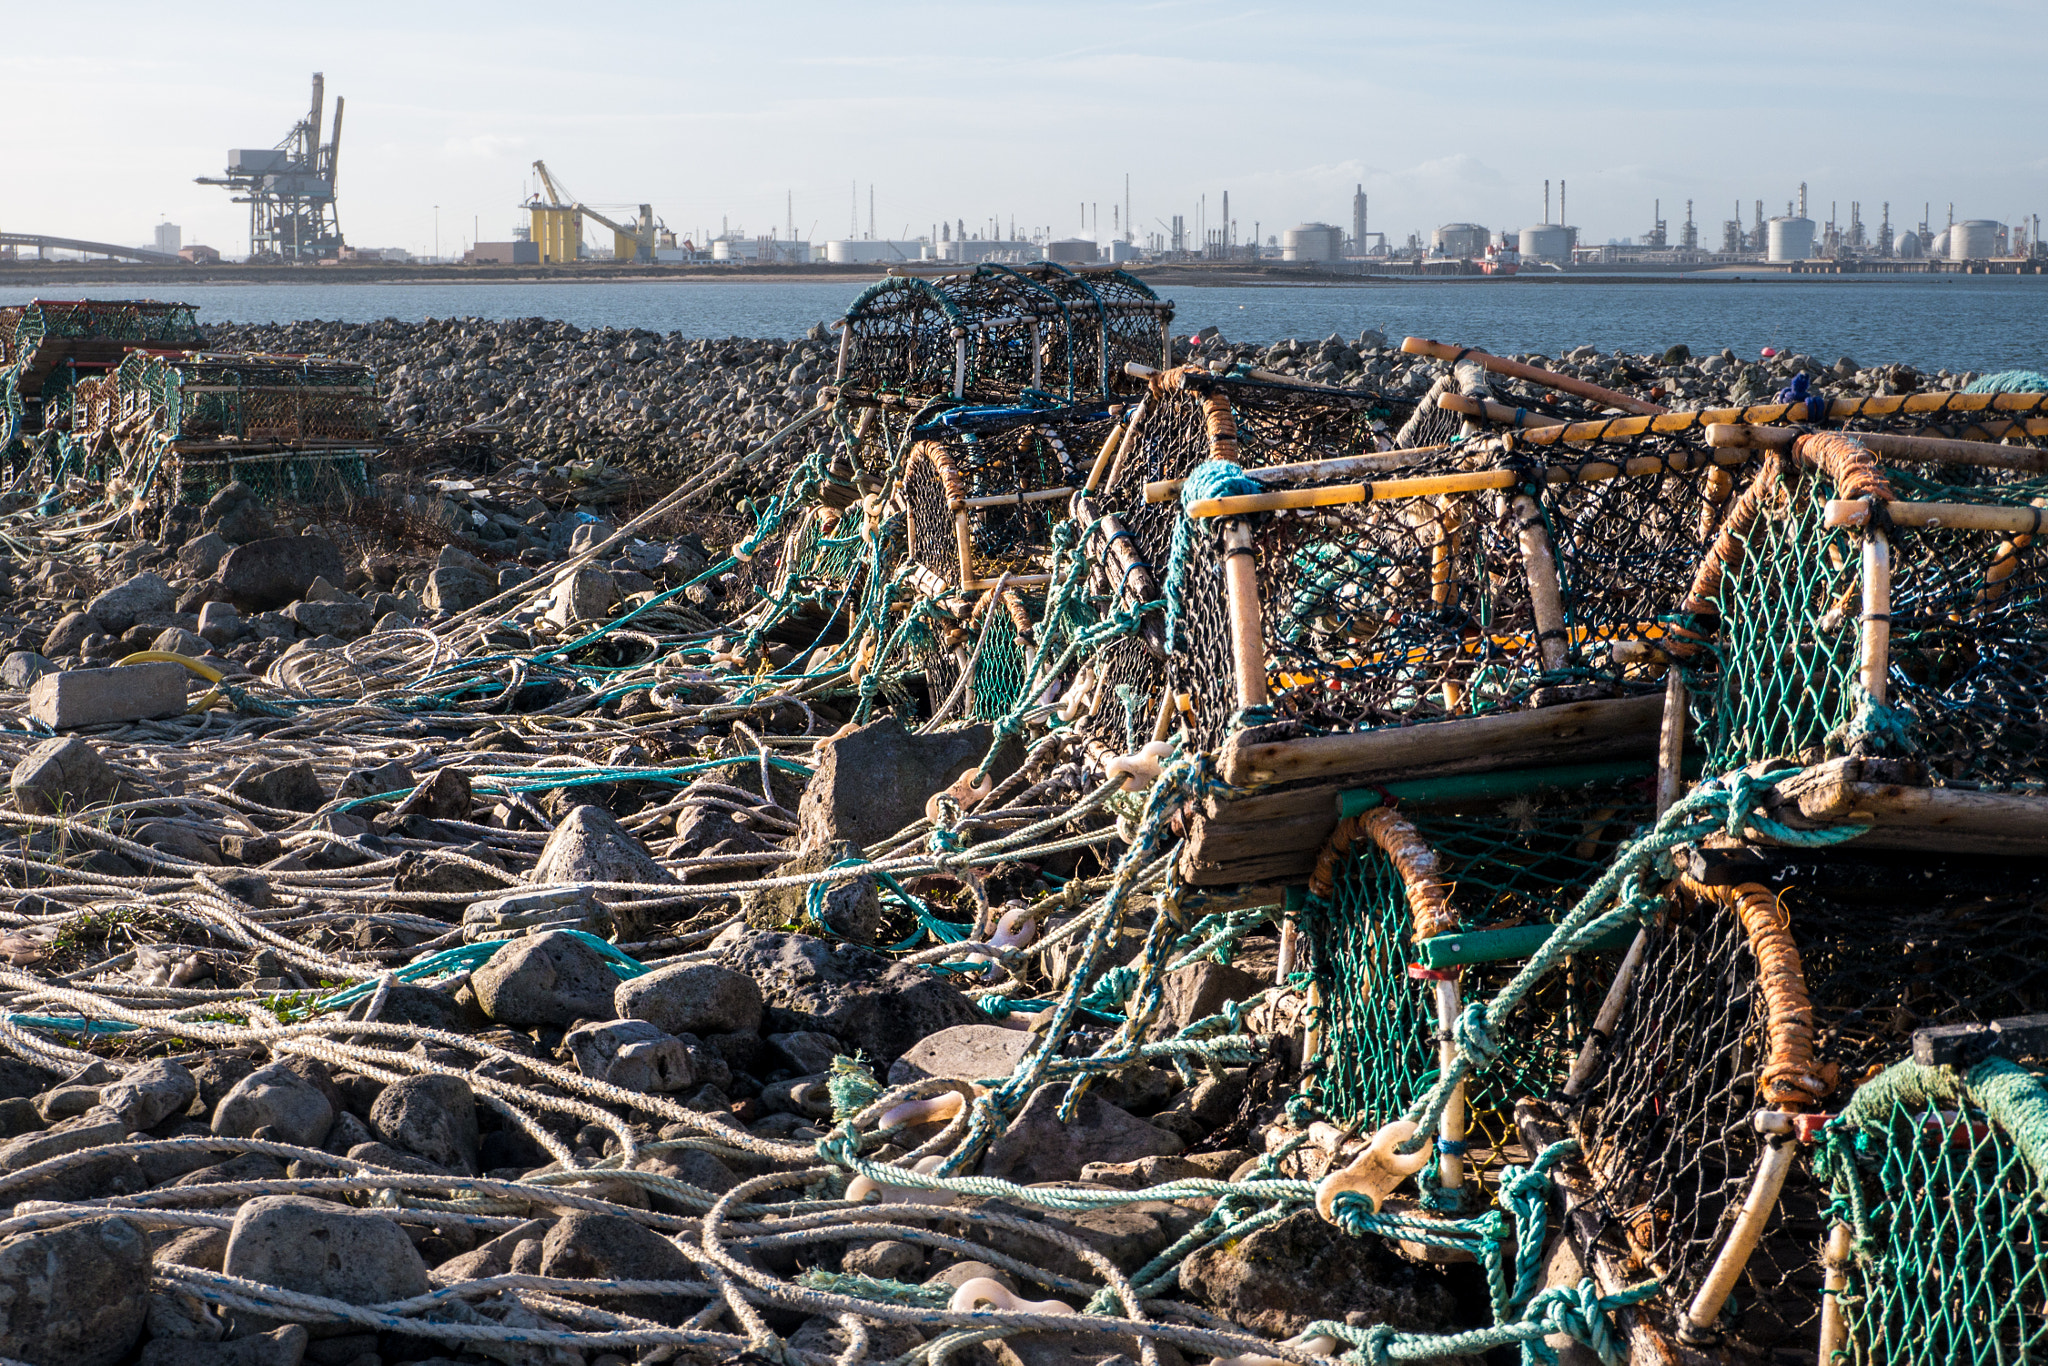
1968,661
302,477
1003,665
1941,1178
1525,861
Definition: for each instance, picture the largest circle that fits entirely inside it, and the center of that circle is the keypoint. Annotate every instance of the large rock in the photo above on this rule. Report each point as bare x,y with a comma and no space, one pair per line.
199,557
613,1247
284,1346
319,1248
548,979
692,998
120,607
586,596
70,632
591,846
62,775
451,589
702,830
23,667
845,801
150,1093
433,1116
1202,989
346,619
237,514
1040,1146
278,1099
850,906
972,1052
74,1296
277,571
633,1054
1278,1279
93,697
854,994
293,786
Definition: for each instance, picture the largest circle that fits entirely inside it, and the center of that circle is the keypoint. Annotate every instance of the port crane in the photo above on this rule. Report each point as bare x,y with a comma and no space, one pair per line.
556,229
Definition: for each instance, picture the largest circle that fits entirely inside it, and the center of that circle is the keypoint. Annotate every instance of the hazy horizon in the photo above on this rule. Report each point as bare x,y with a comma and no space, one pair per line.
714,114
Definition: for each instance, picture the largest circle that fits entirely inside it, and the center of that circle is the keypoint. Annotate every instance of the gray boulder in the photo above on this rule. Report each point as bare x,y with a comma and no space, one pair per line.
846,802
451,590
692,998
434,1116
277,570
179,641
145,595
963,1053
858,996
1202,989
284,1346
347,619
613,1247
851,906
633,1054
287,787
21,668
62,775
586,596
591,846
319,1248
198,558
1040,1146
70,632
74,1296
1278,1279
150,1093
548,979
278,1099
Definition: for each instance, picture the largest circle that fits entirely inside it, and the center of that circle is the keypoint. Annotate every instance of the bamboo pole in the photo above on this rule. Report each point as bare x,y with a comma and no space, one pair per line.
1467,481
1247,635
963,541
1165,490
2001,517
1514,369
1102,457
1539,565
1946,450
1004,500
1123,450
1874,659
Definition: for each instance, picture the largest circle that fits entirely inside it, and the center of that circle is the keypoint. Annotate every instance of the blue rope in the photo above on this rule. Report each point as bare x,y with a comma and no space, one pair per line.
1210,479
2009,382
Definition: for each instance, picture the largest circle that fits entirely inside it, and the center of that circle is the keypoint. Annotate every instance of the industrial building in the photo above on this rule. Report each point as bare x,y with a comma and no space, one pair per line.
874,251
1312,242
1458,240
289,188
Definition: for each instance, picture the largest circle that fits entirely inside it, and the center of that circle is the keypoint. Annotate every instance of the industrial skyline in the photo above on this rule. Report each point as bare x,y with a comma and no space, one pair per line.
714,123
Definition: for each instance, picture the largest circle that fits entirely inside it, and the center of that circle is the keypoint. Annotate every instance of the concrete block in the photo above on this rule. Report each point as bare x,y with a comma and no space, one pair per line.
92,697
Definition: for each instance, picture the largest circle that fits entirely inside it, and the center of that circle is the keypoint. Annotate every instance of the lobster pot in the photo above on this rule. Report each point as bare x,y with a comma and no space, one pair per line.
1458,593
1191,416
997,331
1942,1255
288,400
981,504
992,644
1774,996
1123,679
2016,417
1451,894
298,476
1946,666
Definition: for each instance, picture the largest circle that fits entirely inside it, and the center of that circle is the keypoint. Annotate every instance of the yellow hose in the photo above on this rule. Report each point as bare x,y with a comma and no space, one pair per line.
203,670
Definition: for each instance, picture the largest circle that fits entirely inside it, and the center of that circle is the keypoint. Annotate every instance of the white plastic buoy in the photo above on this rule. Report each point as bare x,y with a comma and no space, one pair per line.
981,1291
1376,1171
1140,770
861,1187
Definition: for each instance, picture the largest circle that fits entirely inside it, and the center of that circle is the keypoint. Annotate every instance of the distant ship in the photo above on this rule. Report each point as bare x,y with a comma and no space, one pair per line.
1500,260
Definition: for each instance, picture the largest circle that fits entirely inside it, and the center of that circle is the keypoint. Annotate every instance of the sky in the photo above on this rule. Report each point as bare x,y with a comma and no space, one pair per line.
727,114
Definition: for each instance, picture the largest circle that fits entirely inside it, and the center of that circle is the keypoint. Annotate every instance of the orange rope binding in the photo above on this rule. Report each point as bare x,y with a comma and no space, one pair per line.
1429,892
1791,1076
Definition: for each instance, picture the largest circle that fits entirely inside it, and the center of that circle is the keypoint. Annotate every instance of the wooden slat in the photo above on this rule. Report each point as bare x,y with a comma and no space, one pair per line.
1937,819
1467,745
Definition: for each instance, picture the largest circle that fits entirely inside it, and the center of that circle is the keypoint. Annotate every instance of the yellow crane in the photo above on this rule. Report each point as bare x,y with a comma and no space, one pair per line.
557,225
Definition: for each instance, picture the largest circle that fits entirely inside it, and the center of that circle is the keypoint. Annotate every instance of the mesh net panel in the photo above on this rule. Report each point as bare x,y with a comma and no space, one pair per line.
1968,664
1952,1261
1523,861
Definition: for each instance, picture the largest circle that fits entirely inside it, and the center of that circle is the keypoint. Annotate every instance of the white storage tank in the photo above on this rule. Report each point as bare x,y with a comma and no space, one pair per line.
1938,248
1072,251
1789,239
1459,239
1908,246
861,251
1546,242
1973,239
1311,242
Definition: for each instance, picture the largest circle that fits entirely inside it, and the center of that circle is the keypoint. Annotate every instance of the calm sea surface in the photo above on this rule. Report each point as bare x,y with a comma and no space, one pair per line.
1944,321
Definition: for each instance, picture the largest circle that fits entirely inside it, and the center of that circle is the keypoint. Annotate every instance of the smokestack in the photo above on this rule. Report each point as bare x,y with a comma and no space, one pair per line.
1546,201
